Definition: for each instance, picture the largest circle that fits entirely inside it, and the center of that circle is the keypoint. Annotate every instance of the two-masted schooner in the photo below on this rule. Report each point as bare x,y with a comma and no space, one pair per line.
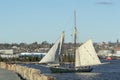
84,55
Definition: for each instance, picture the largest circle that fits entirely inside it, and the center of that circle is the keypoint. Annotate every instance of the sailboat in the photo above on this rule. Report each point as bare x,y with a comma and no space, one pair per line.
85,56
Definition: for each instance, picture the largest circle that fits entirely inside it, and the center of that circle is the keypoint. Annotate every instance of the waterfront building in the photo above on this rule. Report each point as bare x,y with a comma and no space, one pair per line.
105,53
32,54
6,51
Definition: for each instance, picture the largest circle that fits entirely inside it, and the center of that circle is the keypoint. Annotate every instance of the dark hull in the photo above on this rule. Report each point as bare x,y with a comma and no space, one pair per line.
65,70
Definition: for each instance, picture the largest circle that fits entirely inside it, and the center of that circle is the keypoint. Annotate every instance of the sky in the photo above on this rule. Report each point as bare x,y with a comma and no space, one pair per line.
44,20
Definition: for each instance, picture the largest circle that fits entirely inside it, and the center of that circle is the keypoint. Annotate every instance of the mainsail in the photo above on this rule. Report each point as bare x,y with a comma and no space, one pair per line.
53,55
86,55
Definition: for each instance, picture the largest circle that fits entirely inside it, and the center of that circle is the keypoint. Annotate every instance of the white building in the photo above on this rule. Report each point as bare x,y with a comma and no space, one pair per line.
117,54
9,51
31,54
105,53
8,56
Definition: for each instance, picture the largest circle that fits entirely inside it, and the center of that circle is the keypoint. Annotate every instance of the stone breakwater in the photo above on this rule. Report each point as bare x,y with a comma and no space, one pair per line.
25,72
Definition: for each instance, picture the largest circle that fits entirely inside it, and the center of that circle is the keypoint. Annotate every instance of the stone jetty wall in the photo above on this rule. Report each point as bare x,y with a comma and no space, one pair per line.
25,72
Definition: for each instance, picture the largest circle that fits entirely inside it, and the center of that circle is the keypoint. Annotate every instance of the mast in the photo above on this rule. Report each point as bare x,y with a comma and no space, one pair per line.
75,34
62,48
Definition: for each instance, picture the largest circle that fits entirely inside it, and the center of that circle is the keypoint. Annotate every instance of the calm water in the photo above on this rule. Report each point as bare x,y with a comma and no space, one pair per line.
109,71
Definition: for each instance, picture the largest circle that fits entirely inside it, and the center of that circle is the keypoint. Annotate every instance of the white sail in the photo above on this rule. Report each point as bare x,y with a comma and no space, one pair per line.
53,55
86,55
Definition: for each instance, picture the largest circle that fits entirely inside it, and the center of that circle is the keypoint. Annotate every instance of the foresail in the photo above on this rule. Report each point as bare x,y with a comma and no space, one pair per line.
53,55
86,55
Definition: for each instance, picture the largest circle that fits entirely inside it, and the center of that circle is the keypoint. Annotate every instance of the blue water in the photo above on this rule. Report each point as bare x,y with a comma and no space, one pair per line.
108,71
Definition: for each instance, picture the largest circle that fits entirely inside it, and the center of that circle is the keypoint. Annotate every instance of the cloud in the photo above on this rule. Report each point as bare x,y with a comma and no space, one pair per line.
104,3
